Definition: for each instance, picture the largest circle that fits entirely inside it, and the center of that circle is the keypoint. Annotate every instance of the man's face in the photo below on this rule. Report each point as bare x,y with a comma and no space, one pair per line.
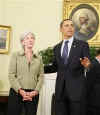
67,29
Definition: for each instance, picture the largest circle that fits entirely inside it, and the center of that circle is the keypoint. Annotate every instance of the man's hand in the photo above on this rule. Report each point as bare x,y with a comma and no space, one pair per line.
85,62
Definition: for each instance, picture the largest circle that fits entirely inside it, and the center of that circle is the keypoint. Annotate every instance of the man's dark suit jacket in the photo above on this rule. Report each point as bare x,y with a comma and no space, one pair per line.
70,77
93,82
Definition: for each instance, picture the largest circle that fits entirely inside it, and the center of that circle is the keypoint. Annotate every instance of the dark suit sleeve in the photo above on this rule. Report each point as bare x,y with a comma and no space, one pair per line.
85,50
51,68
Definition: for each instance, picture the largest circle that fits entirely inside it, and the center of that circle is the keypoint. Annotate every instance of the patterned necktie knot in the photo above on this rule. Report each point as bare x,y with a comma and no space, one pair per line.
66,42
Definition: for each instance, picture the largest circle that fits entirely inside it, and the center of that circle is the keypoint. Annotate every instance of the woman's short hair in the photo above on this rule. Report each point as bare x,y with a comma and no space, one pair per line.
24,34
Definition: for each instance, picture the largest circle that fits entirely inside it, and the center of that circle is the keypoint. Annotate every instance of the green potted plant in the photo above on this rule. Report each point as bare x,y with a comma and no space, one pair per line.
47,56
93,51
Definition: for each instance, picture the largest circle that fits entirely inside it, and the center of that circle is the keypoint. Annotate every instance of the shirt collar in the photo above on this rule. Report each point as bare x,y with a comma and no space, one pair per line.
70,40
97,59
22,53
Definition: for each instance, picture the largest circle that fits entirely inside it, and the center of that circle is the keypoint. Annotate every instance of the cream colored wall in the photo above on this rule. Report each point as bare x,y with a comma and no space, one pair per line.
39,16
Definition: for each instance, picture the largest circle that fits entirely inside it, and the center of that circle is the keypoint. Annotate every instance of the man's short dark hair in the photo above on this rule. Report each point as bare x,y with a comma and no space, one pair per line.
97,52
63,22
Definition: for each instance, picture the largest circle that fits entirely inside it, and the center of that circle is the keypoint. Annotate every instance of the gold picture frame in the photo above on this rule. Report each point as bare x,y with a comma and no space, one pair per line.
4,38
90,9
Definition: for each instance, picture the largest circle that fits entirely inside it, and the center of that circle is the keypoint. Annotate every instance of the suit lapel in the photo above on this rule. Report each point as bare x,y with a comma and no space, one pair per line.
59,51
72,50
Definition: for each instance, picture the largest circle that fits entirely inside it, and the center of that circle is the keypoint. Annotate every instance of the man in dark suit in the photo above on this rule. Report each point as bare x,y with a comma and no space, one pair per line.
93,82
70,58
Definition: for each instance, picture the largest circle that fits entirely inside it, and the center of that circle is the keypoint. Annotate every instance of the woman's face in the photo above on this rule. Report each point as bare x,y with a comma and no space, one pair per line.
28,41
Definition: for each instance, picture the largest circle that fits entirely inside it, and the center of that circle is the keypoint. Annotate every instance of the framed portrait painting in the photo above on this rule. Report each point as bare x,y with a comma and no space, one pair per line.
86,18
4,38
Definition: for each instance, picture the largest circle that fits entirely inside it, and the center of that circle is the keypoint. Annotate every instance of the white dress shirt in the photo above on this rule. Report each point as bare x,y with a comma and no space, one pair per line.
69,44
97,59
